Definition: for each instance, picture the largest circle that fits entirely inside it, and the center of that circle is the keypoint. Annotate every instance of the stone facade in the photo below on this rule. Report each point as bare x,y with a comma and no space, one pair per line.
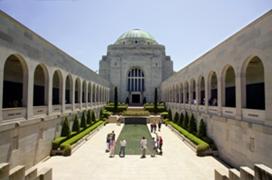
134,50
40,84
230,88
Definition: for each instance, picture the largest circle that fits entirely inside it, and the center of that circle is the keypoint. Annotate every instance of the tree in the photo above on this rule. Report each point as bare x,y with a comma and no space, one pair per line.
93,117
192,125
65,131
176,117
83,120
156,100
186,120
181,119
89,118
115,98
170,115
202,129
76,124
101,116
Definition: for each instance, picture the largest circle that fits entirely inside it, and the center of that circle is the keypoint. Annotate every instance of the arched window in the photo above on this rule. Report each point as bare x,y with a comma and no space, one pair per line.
68,89
193,92
15,78
181,93
255,92
135,80
40,83
213,89
84,92
77,91
56,90
229,87
202,91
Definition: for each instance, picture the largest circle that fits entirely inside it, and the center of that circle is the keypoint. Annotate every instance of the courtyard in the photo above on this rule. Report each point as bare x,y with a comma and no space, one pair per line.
90,161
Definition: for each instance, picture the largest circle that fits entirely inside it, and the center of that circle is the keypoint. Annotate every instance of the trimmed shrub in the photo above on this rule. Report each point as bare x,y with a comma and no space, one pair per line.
89,118
164,114
76,126
65,131
202,146
181,119
192,125
66,145
93,117
202,129
135,113
186,120
170,115
57,141
83,121
176,117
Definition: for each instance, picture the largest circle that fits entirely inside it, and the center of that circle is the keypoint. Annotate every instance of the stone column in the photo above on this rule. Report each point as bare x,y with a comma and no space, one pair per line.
219,94
2,66
240,92
206,94
63,92
73,90
49,89
80,93
197,92
86,94
30,87
268,90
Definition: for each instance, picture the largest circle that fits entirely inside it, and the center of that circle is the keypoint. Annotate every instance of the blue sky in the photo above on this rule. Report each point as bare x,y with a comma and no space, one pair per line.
84,28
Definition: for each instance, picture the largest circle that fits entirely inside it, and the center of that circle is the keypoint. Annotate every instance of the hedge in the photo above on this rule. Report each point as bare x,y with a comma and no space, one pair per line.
136,113
120,108
58,140
201,145
66,145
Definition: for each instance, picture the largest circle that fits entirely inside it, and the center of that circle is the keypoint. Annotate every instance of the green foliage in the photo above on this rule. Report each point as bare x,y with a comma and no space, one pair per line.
101,115
76,126
93,117
89,118
192,125
83,121
202,129
66,145
135,113
202,146
186,120
120,108
181,119
156,99
176,117
170,115
106,113
65,131
115,98
57,141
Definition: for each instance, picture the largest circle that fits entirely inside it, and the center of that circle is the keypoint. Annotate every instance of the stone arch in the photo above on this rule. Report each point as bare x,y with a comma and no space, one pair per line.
253,70
40,85
228,89
201,82
15,82
68,89
57,87
77,90
213,88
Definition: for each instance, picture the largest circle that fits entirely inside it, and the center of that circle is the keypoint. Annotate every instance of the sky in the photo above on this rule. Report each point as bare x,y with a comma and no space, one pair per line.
84,28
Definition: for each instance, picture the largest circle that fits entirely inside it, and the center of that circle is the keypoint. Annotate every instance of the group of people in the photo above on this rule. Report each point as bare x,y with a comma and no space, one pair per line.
110,141
156,146
154,125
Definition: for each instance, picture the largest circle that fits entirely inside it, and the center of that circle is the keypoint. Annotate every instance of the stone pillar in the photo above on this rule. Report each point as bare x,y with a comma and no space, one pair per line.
4,171
234,174
2,66
262,172
246,173
17,173
91,94
197,93
49,90
86,94
73,90
219,94
80,93
268,90
30,87
63,94
206,94
240,92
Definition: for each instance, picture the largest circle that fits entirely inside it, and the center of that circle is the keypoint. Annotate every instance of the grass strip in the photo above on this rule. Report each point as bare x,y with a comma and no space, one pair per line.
201,145
66,145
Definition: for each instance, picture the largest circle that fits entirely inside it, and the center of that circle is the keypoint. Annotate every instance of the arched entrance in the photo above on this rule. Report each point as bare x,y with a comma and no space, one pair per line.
135,86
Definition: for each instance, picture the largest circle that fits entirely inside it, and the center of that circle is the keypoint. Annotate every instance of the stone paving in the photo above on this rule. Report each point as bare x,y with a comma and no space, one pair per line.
90,162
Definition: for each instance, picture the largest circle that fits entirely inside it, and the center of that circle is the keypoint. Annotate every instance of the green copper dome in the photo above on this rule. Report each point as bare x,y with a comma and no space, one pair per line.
136,36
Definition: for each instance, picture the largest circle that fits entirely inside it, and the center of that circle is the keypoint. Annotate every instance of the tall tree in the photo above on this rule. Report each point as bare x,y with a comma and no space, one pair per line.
115,98
156,99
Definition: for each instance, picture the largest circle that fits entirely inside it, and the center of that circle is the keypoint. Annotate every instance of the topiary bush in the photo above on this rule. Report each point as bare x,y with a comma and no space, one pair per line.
76,126
176,117
65,131
186,120
89,118
202,129
170,115
181,119
93,117
192,125
83,120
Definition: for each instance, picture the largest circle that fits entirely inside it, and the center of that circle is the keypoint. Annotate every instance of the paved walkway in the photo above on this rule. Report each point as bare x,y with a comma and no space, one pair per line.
90,162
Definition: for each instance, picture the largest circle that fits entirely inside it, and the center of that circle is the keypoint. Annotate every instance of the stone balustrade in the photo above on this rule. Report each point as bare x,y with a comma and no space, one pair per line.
260,172
20,173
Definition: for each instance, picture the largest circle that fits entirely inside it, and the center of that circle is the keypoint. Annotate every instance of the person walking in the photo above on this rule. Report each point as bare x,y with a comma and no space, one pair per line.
108,139
143,144
122,151
159,125
160,143
154,148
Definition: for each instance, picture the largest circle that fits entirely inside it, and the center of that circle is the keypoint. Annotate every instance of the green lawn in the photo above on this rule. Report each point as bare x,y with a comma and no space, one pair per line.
133,134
